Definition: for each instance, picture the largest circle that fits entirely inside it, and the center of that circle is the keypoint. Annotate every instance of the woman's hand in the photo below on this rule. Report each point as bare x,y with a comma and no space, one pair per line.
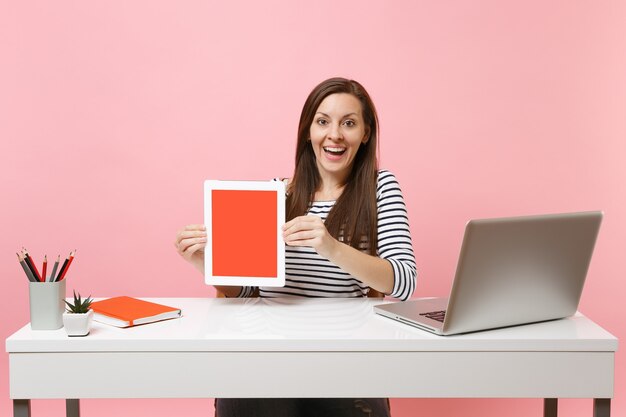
310,231
190,243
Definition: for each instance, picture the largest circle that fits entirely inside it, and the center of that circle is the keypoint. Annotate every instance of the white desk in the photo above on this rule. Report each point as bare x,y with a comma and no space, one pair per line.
310,348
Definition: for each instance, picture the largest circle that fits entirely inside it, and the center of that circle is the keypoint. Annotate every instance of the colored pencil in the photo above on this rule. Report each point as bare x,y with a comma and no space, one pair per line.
44,268
54,268
27,270
31,265
62,270
70,259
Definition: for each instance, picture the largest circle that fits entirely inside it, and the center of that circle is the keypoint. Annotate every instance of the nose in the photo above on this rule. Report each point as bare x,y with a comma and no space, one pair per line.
334,133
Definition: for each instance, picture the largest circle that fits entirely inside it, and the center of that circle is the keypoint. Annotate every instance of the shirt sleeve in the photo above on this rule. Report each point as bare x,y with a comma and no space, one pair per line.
246,292
394,235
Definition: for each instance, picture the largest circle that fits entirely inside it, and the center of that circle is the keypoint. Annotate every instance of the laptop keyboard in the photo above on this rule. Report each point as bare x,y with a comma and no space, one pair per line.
435,315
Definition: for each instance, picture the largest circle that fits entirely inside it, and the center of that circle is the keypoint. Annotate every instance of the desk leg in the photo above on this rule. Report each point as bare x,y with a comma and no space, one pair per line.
21,408
601,407
72,408
550,407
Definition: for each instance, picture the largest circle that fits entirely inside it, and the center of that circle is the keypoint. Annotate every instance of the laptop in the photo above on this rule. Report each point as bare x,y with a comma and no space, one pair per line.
510,271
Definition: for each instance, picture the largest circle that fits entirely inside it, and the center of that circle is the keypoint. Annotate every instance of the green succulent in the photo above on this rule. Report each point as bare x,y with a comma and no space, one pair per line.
80,306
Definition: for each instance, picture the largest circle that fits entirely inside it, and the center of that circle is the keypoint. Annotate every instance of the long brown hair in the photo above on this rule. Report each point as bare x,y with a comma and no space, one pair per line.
353,218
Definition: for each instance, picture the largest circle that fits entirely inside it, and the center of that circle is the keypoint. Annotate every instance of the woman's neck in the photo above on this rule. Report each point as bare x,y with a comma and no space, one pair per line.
329,192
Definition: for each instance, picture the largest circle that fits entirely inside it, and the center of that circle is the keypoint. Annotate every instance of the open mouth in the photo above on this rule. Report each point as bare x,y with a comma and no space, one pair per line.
334,151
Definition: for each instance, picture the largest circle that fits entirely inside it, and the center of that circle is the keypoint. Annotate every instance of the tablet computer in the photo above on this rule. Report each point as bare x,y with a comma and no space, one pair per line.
244,222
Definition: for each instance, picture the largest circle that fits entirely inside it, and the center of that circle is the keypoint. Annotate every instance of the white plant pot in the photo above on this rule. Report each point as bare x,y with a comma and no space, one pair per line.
77,324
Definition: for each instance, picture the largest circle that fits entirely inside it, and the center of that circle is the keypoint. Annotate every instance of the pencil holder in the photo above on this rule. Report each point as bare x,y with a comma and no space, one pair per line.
46,305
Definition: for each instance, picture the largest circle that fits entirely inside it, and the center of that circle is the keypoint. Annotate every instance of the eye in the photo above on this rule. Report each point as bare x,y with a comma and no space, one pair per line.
349,123
321,121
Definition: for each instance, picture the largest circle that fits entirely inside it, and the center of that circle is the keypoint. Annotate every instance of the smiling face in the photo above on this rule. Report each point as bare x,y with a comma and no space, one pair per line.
336,133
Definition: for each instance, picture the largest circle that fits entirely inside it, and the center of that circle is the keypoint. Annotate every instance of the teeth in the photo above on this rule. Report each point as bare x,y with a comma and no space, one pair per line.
334,150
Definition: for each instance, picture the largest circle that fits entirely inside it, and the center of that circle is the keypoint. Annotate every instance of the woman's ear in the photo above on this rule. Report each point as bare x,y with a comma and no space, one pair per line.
366,137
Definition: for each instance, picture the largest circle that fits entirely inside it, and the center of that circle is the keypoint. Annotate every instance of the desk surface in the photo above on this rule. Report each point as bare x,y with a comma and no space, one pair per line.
310,348
295,324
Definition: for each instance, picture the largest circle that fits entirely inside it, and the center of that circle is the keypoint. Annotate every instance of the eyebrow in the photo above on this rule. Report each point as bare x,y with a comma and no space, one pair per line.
343,117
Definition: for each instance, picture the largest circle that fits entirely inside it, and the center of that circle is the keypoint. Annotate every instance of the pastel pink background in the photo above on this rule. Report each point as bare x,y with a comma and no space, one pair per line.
113,113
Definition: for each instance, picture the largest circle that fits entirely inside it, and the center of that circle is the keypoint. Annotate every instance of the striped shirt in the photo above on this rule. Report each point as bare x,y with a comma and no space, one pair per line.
308,274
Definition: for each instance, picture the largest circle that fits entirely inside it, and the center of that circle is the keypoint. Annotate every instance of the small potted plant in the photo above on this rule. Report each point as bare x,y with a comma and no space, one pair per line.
78,316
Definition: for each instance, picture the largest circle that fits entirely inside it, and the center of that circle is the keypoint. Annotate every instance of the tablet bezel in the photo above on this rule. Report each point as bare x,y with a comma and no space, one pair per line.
279,188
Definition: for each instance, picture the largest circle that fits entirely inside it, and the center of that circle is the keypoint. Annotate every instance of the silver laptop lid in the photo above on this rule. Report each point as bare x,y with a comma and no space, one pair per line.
520,270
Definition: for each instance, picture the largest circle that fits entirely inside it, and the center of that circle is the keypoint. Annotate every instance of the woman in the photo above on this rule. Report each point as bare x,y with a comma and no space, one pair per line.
347,231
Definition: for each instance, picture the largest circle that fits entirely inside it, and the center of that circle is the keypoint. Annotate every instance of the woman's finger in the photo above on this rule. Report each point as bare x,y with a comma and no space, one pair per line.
301,235
191,250
195,227
185,234
303,223
192,228
186,244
